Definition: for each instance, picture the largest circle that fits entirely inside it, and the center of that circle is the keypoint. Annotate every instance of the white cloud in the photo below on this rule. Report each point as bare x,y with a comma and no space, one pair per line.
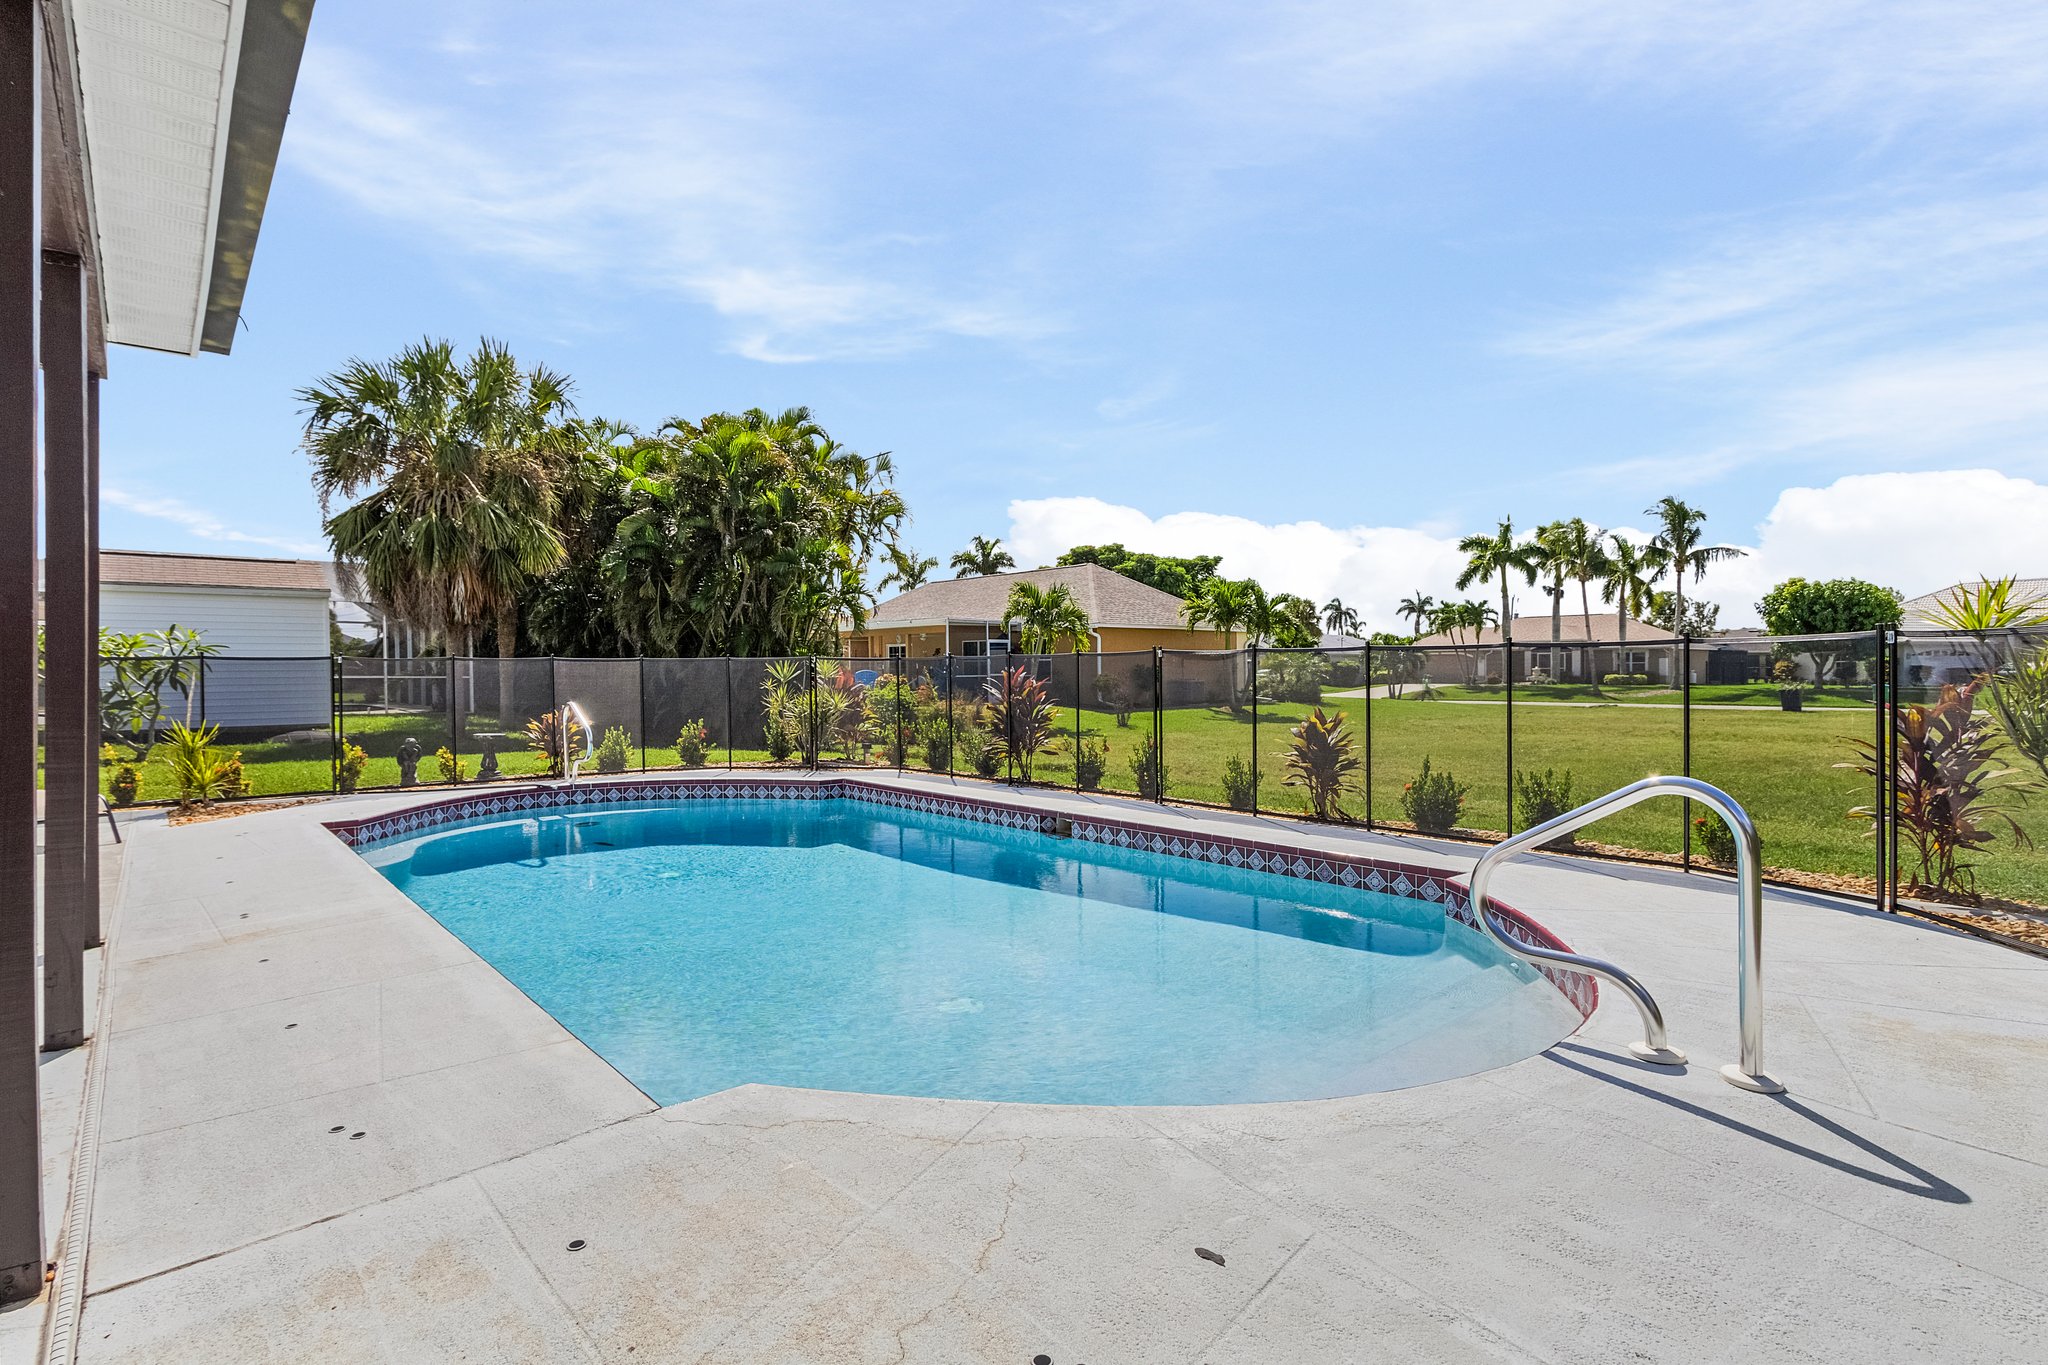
1915,531
205,525
1371,567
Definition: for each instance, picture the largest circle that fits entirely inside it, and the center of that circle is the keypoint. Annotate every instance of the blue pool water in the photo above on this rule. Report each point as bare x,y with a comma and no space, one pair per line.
837,945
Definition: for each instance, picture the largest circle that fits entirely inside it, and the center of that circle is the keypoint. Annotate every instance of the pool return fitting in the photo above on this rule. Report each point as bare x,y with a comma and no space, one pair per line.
1654,1047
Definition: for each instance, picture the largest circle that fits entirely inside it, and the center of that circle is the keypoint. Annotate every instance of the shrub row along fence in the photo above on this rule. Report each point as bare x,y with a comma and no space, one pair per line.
1472,742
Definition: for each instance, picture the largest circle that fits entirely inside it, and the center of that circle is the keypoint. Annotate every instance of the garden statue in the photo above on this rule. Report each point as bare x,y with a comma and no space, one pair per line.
487,769
409,762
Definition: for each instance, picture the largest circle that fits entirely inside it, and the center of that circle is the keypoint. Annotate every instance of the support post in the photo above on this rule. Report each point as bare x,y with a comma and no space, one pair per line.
1685,749
94,917
70,906
21,1176
1507,672
1159,724
1368,735
1255,726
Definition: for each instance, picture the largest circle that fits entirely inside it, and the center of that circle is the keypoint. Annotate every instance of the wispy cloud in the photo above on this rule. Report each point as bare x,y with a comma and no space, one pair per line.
206,526
616,172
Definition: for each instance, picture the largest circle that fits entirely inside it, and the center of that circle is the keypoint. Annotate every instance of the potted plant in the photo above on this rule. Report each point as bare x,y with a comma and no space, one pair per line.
1791,690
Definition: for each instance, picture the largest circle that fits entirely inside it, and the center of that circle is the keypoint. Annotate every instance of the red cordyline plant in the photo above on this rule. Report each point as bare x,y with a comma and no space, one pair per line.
1020,717
1322,760
1951,793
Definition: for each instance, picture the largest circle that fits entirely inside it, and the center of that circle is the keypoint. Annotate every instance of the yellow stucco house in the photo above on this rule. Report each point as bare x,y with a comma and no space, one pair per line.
965,616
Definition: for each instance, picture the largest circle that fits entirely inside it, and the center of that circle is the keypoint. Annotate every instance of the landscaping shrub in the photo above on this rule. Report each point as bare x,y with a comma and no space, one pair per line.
1322,760
692,743
126,783
1240,784
1624,680
196,768
938,743
1020,719
984,754
1713,840
614,751
1112,695
453,769
1433,800
353,761
1294,677
233,782
1544,796
1148,767
1091,762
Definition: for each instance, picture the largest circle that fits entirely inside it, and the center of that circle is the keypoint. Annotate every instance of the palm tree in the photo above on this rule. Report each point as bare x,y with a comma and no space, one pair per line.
907,571
1628,579
1572,550
454,470
1230,605
1295,616
981,558
1340,619
1496,556
1045,616
1419,608
1676,546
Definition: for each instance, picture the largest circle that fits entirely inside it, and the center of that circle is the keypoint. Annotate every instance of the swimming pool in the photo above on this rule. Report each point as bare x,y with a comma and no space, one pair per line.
842,945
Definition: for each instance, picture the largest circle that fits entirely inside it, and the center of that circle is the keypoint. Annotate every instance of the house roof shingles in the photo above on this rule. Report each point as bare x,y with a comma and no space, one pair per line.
1109,598
1535,630
155,568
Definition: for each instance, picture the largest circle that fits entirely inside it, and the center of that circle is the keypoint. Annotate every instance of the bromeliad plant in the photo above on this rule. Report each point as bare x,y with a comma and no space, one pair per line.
546,734
1020,718
198,772
1323,761
1951,793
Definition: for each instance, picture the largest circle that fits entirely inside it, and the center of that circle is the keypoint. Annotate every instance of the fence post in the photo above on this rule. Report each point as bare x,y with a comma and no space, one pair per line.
643,711
951,734
1886,701
1507,664
334,722
1255,728
897,704
814,756
1368,736
1685,749
1077,712
1159,725
728,713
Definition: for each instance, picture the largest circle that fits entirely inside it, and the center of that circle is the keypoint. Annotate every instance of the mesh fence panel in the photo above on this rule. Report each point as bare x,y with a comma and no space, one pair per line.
608,690
1970,754
1434,705
1575,740
1120,689
399,712
846,715
496,700
688,713
1776,721
1292,684
1205,722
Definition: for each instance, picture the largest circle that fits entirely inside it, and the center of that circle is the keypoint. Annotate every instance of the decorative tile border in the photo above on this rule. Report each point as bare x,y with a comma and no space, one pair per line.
1370,874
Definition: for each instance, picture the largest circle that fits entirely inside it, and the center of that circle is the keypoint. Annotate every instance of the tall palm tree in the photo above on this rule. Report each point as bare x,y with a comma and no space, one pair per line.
1495,556
1230,605
1676,546
1294,616
1338,618
1628,578
981,558
907,570
1045,616
1572,549
452,470
1420,608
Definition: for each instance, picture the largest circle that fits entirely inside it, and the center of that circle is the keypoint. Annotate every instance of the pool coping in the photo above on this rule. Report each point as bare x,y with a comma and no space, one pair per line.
1119,831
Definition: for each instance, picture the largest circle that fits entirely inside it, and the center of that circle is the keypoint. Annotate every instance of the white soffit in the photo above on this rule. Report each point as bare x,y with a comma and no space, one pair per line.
158,80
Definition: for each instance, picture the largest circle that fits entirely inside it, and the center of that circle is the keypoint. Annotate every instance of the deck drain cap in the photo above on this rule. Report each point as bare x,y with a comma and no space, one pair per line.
578,1244
337,1127
353,1136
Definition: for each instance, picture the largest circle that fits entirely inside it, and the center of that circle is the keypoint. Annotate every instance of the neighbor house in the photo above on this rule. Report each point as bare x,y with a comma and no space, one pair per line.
965,616
1922,612
267,617
1572,655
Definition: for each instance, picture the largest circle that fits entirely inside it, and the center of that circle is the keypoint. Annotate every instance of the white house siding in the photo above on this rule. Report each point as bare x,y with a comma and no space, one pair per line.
272,671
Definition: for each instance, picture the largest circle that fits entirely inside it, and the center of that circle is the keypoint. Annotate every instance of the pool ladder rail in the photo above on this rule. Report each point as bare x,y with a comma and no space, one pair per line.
571,711
1655,1048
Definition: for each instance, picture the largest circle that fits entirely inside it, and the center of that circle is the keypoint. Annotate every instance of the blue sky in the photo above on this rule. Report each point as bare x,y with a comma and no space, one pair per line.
1316,286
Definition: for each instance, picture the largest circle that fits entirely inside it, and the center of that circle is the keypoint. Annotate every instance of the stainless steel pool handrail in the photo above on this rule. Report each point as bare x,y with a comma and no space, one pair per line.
569,709
1749,1074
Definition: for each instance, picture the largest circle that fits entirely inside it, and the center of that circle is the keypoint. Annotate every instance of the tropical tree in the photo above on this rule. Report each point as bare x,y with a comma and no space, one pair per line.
1572,551
1181,576
1230,605
1628,579
981,558
1677,547
1829,611
907,571
1340,619
452,471
746,534
1294,623
1495,557
1046,616
1420,608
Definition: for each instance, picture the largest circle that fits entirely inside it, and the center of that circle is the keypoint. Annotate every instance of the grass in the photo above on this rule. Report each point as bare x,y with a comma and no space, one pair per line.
1781,766
1703,694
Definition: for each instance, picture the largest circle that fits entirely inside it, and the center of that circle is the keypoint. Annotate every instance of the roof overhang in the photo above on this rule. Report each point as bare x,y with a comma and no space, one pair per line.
170,115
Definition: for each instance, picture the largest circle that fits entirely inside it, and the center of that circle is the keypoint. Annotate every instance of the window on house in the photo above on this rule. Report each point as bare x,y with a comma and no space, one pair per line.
899,651
1635,661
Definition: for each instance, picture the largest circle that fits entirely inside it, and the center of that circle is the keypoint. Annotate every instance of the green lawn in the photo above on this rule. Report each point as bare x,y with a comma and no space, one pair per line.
1703,694
1781,766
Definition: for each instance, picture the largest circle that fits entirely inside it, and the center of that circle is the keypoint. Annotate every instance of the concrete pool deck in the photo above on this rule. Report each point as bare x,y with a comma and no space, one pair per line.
328,1132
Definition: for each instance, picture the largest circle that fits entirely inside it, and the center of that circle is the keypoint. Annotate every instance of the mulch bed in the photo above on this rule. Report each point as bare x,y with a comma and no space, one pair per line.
192,815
